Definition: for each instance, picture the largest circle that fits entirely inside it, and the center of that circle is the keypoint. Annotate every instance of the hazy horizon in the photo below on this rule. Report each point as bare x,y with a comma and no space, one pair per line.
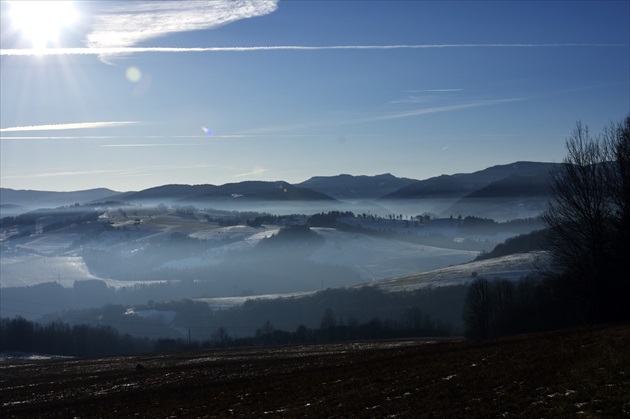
255,180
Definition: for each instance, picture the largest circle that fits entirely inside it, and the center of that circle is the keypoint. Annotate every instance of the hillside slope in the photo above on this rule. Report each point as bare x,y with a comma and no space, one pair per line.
510,267
512,197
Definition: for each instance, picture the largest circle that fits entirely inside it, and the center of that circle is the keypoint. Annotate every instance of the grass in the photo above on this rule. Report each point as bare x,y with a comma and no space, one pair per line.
582,372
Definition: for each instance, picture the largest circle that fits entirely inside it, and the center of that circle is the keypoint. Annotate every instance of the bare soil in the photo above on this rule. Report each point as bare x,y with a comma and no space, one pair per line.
583,373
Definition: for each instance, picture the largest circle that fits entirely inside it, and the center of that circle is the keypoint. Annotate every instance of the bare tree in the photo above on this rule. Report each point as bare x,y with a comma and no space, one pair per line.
587,218
329,320
503,305
478,309
328,324
221,336
268,331
617,139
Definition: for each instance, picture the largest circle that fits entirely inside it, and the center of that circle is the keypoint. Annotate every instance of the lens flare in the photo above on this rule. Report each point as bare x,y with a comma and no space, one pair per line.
206,131
133,74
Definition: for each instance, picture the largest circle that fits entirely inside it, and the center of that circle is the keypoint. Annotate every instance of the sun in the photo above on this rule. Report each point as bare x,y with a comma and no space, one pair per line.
42,21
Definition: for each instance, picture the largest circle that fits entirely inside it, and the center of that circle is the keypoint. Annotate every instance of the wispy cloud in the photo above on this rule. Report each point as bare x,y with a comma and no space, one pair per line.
256,172
427,95
434,90
259,132
144,145
70,126
206,140
431,110
271,131
62,173
132,23
412,99
135,50
136,22
136,171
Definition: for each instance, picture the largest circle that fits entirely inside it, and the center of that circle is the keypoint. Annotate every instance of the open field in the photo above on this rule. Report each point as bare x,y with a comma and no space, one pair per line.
583,372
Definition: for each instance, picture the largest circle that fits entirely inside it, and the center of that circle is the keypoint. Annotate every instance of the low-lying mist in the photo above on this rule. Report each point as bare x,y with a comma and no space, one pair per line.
128,257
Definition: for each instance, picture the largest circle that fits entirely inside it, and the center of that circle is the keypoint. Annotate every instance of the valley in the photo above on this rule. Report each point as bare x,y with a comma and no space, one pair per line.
156,245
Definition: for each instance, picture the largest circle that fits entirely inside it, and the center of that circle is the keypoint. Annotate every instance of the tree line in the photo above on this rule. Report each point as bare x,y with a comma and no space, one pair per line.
83,340
58,338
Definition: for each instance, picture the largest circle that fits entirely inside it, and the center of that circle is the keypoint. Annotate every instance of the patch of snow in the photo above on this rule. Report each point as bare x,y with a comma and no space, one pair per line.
8,357
220,303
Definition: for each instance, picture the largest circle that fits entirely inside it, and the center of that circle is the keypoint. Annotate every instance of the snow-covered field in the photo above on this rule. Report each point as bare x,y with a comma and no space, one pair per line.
21,271
512,267
50,244
24,271
221,303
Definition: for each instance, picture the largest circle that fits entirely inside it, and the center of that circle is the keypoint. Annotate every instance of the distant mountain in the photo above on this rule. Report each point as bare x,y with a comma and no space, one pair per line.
230,192
508,198
515,186
350,187
38,199
167,193
257,191
461,184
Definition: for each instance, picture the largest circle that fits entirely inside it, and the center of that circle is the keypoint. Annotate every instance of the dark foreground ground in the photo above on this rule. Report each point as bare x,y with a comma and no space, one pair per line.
584,373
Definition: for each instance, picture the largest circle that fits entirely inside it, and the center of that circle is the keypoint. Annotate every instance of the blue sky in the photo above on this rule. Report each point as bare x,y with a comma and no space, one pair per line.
130,95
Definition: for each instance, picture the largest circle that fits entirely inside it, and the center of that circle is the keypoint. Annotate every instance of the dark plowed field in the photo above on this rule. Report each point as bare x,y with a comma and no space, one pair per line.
580,372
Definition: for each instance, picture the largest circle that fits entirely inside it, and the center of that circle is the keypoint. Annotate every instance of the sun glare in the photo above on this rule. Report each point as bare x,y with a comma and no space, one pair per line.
42,21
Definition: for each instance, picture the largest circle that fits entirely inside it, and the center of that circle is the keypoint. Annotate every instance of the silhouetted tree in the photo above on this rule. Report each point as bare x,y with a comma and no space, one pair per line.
503,305
266,334
478,309
588,220
328,324
221,336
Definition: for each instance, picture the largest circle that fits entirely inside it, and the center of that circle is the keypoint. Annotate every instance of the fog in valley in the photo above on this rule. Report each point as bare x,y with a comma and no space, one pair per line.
157,269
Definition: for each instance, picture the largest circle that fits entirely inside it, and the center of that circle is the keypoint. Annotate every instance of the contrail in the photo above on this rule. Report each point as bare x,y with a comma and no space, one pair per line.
78,125
136,50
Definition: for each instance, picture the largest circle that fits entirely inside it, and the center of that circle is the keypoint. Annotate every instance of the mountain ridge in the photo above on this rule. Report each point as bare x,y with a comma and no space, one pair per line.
510,184
27,197
345,186
460,184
